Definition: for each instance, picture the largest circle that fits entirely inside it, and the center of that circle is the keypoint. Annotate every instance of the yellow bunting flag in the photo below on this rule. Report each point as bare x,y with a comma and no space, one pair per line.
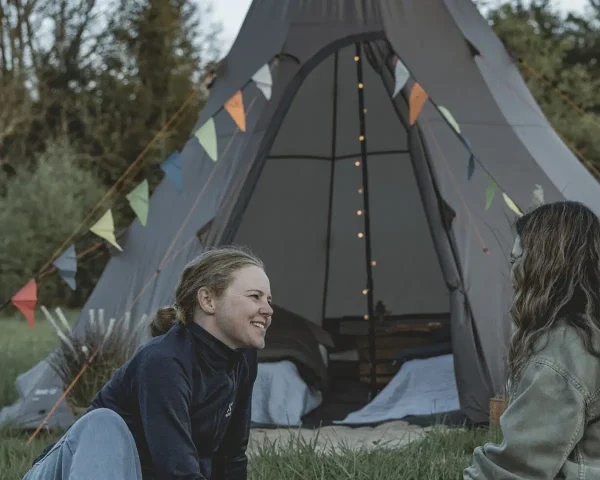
512,205
235,107
417,100
105,228
450,118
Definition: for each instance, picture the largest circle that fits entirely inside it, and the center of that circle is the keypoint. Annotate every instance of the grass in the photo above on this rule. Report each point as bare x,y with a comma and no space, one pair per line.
442,454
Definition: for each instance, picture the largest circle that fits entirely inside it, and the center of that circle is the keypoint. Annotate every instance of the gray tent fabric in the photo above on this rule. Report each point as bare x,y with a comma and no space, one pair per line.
289,186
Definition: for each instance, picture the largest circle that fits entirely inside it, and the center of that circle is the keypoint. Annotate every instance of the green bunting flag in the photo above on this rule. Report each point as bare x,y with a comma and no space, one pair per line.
138,200
490,193
207,137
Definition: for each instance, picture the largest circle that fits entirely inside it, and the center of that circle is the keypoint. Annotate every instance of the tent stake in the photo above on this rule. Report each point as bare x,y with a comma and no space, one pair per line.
367,217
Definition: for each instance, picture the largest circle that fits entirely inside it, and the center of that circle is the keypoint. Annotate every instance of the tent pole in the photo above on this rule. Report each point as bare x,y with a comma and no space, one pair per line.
331,183
367,218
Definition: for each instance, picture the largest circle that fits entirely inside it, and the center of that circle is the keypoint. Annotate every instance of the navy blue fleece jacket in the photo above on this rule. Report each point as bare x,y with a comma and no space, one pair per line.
186,398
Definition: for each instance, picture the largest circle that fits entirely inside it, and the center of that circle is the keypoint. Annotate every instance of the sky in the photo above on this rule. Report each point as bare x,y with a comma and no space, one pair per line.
231,13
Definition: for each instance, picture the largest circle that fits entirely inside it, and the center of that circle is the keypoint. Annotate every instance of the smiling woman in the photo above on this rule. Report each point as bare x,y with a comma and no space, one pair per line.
180,407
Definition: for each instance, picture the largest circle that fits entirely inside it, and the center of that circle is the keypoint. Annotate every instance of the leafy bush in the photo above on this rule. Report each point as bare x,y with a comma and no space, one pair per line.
38,210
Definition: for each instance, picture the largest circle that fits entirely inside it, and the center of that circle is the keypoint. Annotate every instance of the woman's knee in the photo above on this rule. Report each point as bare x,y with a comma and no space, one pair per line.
103,422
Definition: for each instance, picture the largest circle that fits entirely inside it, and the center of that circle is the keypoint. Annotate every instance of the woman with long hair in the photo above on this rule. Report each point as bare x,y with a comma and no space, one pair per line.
550,428
180,407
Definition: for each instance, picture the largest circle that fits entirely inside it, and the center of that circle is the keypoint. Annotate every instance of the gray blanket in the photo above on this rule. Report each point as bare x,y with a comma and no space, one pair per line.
291,337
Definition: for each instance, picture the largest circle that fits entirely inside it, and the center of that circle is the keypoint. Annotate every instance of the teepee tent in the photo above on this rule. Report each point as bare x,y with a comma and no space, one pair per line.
350,191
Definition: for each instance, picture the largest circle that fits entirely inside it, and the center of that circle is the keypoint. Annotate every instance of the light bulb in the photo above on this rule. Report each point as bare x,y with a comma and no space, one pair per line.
364,292
361,235
365,316
360,85
360,190
357,163
373,263
359,213
361,138
364,110
357,58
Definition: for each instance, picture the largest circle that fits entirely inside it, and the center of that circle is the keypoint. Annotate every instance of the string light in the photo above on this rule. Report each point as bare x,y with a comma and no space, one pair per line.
361,138
360,85
361,235
359,213
365,316
373,263
360,190
357,163
356,58
364,292
364,110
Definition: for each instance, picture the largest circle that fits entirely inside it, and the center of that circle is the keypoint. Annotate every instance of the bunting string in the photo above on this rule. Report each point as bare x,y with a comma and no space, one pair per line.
139,197
417,99
163,263
457,188
123,176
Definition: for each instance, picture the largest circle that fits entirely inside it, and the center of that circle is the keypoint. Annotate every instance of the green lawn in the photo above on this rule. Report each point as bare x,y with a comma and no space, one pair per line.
442,455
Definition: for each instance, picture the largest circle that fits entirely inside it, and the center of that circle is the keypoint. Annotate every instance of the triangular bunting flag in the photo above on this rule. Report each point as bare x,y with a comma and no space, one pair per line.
207,136
138,200
401,76
25,300
471,167
66,265
537,196
490,192
105,228
418,97
263,80
172,168
451,120
235,107
512,205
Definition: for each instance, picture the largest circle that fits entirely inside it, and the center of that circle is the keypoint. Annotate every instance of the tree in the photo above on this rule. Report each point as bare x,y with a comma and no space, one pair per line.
568,93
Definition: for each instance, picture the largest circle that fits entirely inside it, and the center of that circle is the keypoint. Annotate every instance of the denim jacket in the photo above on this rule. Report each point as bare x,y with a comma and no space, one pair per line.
551,428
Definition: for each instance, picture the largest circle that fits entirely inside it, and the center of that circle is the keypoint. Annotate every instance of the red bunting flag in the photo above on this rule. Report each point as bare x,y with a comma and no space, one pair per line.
25,300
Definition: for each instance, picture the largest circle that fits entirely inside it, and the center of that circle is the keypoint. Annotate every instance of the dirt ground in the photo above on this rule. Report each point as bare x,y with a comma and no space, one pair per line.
393,434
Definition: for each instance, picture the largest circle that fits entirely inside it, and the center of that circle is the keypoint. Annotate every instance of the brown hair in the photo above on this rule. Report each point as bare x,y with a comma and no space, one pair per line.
557,279
213,269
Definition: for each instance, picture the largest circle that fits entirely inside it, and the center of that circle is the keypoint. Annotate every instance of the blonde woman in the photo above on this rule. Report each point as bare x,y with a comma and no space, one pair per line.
180,407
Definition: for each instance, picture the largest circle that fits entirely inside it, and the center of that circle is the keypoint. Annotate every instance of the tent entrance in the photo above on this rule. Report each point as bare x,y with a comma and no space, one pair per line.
336,213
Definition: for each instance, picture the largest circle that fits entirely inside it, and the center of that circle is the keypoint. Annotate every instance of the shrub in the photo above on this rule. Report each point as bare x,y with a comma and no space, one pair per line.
115,342
38,210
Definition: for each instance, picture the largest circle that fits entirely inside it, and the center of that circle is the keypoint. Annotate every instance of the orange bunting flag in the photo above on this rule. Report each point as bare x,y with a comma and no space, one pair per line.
235,107
25,300
418,97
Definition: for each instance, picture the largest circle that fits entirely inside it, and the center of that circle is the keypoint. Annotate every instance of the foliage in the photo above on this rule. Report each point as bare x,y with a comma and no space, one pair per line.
112,343
38,210
106,78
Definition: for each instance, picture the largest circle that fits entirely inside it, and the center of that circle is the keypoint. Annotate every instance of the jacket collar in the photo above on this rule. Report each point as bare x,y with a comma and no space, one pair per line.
220,356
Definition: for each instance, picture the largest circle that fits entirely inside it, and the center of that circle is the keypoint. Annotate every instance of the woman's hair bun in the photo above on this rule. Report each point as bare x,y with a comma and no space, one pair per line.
164,319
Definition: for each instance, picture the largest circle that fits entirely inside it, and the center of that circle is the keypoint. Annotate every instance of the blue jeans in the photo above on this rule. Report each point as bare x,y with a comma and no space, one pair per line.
99,446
